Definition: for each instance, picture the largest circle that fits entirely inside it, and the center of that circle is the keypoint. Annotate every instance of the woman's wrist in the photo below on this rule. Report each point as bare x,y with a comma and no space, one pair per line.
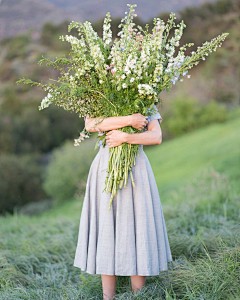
126,137
129,120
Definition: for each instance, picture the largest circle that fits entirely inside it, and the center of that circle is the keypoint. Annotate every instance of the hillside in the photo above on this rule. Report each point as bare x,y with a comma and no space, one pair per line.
175,162
19,16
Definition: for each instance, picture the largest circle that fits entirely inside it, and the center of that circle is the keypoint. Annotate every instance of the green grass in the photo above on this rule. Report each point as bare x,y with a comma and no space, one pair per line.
197,176
176,161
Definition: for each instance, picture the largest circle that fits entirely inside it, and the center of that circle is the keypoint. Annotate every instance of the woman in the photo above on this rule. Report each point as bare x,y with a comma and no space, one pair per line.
130,239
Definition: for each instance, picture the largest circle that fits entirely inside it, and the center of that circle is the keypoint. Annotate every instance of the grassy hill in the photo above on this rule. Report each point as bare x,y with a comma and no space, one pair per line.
178,160
197,175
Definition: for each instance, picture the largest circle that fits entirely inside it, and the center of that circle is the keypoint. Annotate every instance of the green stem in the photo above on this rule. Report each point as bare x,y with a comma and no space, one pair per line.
105,98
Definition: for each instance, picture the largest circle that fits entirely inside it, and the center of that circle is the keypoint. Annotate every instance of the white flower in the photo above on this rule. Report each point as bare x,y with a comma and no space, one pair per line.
123,76
145,89
45,102
132,79
124,85
188,76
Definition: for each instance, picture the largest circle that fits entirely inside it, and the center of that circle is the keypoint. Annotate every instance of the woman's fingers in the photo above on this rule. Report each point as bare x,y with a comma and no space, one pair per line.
109,144
109,133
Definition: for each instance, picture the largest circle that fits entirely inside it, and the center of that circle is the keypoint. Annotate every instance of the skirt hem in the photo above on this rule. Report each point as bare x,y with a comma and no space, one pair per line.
106,273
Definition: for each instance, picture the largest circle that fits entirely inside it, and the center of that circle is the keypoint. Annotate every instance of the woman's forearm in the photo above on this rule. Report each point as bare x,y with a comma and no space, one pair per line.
149,137
153,136
110,123
137,121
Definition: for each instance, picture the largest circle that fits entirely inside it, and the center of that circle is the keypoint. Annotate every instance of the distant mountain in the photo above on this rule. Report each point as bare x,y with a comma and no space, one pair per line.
95,9
18,16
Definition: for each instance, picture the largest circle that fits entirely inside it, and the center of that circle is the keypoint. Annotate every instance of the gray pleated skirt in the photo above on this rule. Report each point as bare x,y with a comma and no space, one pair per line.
131,238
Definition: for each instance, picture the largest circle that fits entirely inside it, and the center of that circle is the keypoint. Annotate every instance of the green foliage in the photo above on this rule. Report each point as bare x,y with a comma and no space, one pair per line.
67,170
50,36
208,10
186,114
20,181
36,132
24,129
17,47
36,208
7,73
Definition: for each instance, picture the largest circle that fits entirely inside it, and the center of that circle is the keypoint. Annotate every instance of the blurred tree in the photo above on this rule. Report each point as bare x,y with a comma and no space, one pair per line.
29,130
17,46
20,181
187,114
67,171
50,36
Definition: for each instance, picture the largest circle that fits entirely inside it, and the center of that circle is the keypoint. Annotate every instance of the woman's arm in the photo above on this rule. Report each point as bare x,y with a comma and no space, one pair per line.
153,136
137,121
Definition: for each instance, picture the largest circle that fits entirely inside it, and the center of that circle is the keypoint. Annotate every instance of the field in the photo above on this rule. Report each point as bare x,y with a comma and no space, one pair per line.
198,179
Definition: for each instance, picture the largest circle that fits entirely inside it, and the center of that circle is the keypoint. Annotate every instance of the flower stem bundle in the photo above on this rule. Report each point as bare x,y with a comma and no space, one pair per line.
122,158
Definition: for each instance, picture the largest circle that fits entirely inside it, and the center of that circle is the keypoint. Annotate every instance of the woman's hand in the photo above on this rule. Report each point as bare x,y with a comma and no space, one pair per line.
115,138
138,121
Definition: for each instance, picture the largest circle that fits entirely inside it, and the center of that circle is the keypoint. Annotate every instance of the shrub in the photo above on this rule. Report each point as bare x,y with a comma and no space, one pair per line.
50,36
67,171
17,46
24,129
20,181
187,114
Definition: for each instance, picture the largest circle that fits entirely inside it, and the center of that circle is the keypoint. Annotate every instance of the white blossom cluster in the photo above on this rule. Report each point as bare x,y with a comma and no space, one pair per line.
91,35
45,102
98,59
158,72
107,32
178,32
145,89
157,38
130,64
71,39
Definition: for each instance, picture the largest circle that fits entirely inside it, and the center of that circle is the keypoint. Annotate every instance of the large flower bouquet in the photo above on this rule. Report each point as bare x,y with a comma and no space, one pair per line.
103,78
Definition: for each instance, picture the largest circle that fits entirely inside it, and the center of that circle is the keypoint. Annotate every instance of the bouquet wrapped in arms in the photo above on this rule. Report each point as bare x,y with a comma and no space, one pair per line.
103,78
